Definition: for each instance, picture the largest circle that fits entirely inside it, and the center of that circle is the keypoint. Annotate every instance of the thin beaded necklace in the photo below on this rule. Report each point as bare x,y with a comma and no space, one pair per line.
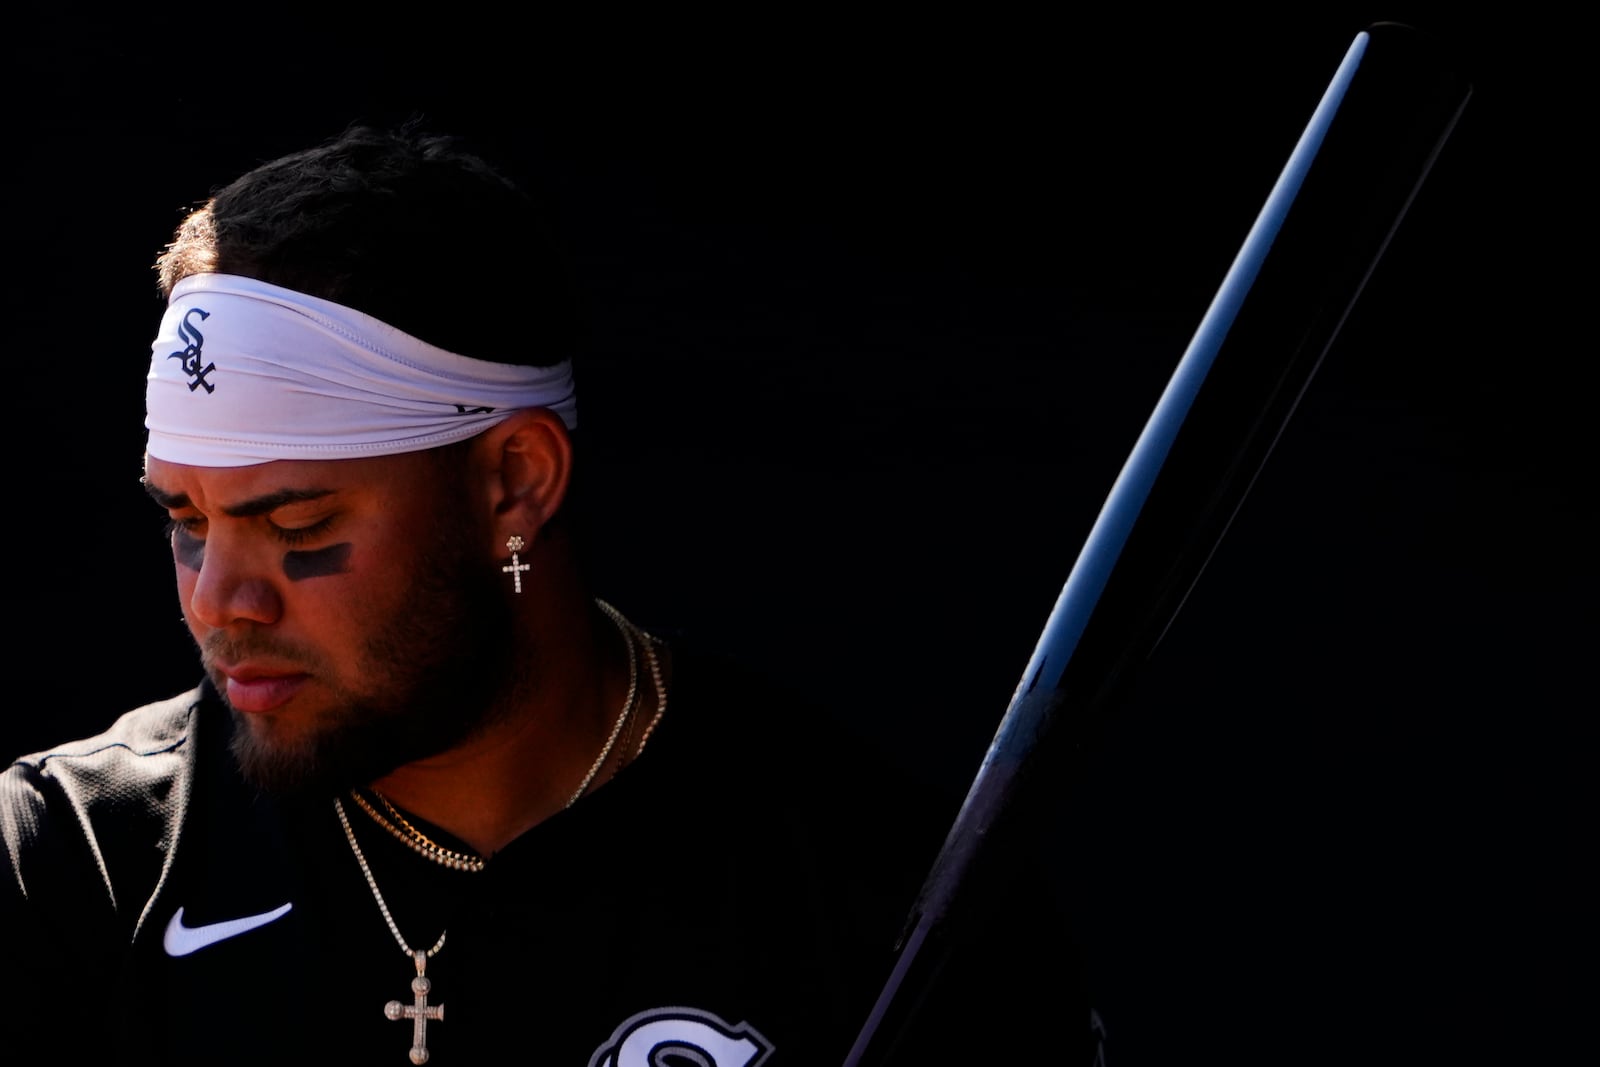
420,1012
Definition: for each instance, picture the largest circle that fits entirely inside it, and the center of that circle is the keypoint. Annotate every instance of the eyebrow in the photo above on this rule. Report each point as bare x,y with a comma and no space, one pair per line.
260,505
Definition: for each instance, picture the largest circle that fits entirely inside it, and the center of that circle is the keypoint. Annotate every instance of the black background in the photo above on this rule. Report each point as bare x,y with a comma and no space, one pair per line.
879,306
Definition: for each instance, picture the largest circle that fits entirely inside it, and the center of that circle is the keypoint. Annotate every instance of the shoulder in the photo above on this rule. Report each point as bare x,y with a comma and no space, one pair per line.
143,731
1004,981
93,809
86,829
141,749
771,762
777,739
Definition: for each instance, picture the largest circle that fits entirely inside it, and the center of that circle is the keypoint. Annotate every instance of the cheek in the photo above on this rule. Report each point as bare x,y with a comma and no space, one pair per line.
188,554
186,582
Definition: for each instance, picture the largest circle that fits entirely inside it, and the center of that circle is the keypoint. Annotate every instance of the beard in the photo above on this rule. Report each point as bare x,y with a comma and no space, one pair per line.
440,665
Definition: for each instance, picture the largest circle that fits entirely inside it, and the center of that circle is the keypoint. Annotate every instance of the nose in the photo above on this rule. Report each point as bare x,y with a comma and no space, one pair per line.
232,586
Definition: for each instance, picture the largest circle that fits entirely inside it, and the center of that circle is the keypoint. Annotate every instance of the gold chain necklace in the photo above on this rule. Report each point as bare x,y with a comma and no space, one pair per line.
416,839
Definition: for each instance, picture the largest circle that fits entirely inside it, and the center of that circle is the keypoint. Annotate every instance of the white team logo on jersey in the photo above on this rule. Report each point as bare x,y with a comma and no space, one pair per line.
688,1036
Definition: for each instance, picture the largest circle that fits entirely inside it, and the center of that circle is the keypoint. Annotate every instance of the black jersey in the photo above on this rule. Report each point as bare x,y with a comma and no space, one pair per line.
734,893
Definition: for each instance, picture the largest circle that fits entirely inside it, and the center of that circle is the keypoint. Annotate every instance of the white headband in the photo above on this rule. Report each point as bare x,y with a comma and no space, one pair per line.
245,372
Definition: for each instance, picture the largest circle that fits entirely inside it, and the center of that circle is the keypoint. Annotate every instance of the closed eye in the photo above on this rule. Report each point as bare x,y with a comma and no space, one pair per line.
297,535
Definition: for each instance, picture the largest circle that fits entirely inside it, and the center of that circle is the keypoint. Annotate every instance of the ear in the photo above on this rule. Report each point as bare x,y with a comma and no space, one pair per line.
526,464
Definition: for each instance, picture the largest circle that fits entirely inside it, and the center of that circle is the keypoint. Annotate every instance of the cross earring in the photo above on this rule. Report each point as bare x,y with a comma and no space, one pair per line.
517,567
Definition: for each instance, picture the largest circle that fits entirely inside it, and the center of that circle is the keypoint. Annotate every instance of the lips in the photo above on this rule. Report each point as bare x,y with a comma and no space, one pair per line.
258,689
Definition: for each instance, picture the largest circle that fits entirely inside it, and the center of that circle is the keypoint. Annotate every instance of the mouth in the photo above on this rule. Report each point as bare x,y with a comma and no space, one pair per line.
255,689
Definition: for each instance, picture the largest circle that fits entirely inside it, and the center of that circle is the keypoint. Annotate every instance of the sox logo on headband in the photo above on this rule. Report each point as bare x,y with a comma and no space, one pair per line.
242,372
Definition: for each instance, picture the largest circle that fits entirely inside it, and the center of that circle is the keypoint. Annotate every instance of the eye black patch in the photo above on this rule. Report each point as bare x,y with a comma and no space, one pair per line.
189,551
316,563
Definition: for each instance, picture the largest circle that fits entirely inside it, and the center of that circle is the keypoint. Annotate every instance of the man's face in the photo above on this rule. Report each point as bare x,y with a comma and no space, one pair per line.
342,608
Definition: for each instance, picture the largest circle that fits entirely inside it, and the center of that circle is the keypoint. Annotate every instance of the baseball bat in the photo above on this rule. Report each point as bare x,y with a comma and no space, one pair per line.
1370,142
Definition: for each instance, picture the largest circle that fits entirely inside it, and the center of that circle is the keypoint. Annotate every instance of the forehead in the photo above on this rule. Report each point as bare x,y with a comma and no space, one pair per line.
220,487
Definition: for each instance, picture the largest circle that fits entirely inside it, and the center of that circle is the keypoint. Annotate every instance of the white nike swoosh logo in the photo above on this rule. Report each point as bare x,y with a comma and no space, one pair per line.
180,940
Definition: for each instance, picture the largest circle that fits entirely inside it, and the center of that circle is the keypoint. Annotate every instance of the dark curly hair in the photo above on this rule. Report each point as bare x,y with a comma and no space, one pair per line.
408,226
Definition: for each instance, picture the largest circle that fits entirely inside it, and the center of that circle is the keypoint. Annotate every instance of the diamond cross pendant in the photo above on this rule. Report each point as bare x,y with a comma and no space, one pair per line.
418,1012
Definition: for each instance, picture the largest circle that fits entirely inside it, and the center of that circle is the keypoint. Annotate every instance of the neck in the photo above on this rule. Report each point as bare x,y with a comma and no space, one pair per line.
543,743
